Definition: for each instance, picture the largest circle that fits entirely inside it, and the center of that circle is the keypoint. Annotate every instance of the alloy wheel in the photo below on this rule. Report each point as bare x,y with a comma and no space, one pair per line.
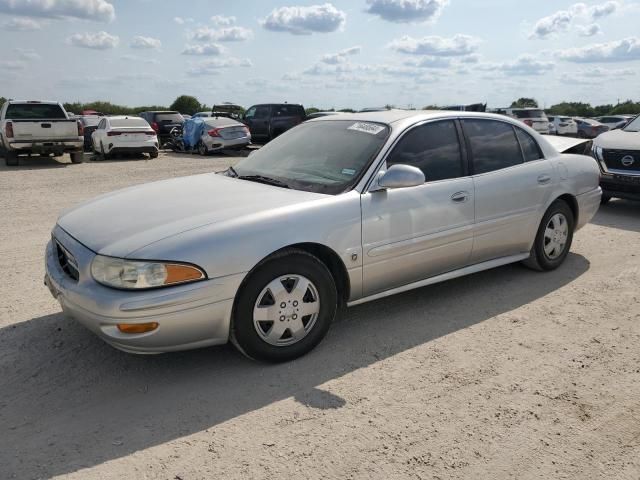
555,236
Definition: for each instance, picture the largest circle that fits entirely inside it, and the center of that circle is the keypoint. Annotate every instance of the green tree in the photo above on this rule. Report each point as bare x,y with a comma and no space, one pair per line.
524,102
572,109
629,107
186,104
311,110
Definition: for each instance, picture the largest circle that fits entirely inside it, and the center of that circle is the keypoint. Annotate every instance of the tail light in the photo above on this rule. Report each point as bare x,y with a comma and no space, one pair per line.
150,132
80,129
528,122
113,133
155,126
8,130
214,133
246,130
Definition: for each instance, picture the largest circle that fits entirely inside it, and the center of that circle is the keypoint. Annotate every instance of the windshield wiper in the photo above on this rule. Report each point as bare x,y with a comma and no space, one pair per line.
263,179
233,172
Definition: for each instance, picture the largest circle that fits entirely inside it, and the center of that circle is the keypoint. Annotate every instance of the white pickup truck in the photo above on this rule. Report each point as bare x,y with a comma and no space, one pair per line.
38,128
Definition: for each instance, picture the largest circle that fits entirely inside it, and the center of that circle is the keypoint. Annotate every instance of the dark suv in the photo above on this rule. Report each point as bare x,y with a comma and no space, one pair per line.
163,122
269,120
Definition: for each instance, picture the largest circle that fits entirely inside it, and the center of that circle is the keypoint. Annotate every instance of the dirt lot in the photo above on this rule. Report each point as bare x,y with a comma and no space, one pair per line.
504,374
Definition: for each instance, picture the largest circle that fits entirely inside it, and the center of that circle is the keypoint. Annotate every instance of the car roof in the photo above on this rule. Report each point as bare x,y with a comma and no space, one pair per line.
125,117
392,116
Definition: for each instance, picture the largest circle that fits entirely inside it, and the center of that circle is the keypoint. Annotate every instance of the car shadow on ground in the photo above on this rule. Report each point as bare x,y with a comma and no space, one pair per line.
623,214
38,163
68,401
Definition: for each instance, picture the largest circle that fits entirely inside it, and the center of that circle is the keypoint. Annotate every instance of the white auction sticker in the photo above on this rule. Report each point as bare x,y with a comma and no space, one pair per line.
372,128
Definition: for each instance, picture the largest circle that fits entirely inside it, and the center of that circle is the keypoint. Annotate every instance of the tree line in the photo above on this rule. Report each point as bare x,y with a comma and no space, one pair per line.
190,105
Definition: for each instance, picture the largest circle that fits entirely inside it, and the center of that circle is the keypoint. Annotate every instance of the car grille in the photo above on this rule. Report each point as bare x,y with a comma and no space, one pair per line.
621,159
67,262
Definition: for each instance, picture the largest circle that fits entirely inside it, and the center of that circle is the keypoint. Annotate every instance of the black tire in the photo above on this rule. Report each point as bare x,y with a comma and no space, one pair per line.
243,333
103,156
539,260
11,158
77,157
604,199
153,155
202,149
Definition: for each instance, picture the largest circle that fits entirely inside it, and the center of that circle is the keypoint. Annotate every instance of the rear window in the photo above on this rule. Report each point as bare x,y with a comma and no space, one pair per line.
169,118
34,111
90,121
129,122
529,114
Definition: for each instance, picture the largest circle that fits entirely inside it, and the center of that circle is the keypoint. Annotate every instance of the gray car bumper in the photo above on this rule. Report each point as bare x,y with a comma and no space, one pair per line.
189,316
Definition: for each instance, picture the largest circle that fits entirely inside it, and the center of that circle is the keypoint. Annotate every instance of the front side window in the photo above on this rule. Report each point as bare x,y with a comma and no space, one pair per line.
323,156
433,148
250,113
494,145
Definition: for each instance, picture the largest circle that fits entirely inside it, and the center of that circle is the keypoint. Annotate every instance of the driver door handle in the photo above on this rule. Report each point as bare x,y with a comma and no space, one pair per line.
544,179
460,197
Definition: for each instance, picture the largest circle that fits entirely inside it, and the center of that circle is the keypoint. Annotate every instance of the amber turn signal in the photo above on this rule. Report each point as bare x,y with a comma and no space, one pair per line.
137,327
181,273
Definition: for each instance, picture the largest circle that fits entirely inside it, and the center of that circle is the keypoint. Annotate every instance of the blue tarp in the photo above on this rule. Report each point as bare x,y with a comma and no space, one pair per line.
192,131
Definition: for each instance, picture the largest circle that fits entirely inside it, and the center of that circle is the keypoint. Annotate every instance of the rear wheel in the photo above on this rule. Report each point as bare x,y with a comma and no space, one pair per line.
202,149
554,237
103,156
11,158
285,307
153,155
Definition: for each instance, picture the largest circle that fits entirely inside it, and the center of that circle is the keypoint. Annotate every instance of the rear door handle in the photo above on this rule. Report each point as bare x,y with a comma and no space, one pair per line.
460,197
544,179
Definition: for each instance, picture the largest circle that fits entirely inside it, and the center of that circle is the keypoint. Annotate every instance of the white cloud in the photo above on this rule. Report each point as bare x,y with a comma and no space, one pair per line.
137,59
98,10
524,65
213,67
13,65
27,54
340,57
95,41
429,62
406,11
625,50
222,21
458,45
305,20
589,30
561,20
208,49
21,25
182,20
231,34
141,42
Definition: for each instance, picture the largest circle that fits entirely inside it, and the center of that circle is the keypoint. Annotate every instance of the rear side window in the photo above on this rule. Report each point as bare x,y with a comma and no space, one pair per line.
530,149
262,112
494,145
433,148
34,111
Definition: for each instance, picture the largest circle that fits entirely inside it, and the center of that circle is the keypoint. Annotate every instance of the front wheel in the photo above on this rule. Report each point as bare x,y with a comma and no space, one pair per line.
553,240
285,307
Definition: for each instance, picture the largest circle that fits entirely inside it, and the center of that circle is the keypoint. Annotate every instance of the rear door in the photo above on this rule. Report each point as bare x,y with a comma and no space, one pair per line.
257,119
410,234
510,193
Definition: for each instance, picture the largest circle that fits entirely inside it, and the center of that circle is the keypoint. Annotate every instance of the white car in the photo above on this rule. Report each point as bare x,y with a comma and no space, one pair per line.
532,117
222,133
564,125
119,135
614,121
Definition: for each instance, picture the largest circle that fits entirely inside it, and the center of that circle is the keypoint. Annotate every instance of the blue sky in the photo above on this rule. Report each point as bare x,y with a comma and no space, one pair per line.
355,53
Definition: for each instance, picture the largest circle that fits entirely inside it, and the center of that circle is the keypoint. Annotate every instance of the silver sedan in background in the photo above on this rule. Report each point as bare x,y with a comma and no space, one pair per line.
337,211
223,133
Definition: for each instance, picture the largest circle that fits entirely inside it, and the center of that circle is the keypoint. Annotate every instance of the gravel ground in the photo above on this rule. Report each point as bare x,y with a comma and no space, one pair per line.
504,374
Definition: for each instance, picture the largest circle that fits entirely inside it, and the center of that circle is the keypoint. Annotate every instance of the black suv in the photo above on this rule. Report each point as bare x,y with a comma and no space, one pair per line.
163,122
267,121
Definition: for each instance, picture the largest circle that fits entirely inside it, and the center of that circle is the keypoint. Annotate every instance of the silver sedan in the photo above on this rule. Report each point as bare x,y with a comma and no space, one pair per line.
335,212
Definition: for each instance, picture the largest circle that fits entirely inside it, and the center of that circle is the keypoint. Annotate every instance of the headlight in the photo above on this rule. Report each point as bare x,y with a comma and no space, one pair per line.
597,153
121,273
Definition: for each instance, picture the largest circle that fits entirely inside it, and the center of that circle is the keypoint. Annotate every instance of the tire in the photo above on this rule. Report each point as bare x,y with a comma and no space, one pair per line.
103,156
11,158
202,149
287,271
605,199
556,227
77,157
153,155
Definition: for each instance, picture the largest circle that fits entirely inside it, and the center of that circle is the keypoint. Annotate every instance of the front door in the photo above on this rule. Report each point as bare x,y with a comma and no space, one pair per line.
410,234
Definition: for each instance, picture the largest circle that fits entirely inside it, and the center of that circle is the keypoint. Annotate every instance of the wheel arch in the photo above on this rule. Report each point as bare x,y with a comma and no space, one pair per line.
573,205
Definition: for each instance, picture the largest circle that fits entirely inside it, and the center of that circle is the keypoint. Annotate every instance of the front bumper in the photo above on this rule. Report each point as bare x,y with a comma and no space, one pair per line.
189,316
621,186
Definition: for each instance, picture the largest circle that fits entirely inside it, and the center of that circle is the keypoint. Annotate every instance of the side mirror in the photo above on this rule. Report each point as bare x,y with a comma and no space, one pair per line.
400,176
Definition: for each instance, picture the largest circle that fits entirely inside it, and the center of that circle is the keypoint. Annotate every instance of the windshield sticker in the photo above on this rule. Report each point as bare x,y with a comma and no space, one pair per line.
349,171
371,128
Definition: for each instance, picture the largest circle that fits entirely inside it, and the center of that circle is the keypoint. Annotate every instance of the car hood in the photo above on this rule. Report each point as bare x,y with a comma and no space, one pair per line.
619,140
119,223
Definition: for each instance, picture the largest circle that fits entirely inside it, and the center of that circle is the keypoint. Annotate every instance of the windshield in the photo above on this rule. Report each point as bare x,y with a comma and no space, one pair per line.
323,156
529,114
35,111
633,126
